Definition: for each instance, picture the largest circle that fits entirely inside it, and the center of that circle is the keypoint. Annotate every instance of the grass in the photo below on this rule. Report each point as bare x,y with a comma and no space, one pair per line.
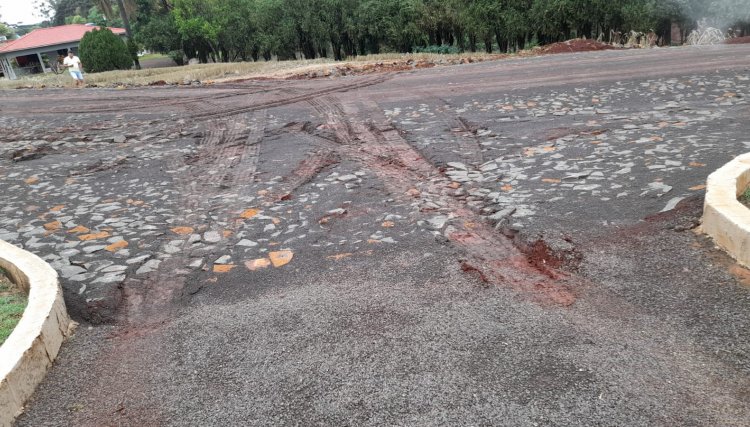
745,197
152,56
12,305
231,71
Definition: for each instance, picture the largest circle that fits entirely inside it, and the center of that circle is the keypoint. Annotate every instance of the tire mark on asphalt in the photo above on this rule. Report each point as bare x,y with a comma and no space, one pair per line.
305,172
225,161
465,133
489,255
357,84
401,93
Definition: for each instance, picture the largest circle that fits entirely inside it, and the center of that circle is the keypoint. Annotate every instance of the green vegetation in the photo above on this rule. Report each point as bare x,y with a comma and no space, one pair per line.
153,56
12,305
441,50
244,30
745,197
101,50
6,30
238,70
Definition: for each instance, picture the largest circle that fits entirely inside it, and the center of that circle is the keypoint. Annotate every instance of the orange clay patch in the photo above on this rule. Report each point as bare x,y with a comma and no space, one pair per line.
257,264
281,258
52,226
223,268
79,229
114,247
249,213
182,230
94,236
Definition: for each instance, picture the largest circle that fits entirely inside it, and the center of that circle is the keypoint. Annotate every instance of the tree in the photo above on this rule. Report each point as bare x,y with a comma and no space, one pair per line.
102,50
197,24
58,10
75,19
6,31
126,9
230,30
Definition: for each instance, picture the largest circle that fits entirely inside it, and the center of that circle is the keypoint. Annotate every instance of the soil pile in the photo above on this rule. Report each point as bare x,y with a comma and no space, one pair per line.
404,64
738,40
575,45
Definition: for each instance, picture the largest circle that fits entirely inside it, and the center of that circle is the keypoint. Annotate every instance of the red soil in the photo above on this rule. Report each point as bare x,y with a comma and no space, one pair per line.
575,45
738,40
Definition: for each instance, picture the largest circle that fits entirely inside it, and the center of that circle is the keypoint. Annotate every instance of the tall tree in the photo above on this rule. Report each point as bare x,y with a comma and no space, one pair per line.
127,9
6,31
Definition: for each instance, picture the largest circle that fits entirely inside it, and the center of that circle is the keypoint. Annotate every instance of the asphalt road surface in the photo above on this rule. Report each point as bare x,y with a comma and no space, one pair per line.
504,243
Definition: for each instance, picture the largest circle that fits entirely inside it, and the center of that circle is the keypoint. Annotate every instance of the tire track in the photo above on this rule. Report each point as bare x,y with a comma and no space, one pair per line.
490,256
305,172
465,133
358,84
226,159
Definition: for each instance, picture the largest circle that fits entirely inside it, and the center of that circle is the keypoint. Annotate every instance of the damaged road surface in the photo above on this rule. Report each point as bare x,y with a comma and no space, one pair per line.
504,243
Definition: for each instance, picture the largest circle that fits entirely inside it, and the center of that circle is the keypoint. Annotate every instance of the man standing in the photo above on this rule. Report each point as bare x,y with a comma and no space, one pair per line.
73,63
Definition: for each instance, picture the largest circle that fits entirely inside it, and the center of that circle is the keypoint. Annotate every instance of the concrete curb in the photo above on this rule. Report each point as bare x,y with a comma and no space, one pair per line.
32,347
725,219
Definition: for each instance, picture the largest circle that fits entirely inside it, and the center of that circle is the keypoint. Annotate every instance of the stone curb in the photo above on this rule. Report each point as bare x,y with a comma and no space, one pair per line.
33,345
725,219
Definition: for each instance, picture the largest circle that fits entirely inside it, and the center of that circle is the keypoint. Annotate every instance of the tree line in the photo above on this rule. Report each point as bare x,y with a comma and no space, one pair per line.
244,30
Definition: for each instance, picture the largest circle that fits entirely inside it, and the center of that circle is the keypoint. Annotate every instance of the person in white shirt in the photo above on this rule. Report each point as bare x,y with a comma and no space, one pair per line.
75,67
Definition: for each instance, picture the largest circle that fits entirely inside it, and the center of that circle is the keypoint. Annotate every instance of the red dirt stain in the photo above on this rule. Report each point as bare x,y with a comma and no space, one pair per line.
474,272
738,40
576,45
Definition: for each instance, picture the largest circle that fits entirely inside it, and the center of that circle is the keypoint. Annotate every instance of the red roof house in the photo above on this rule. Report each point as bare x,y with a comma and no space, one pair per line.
33,52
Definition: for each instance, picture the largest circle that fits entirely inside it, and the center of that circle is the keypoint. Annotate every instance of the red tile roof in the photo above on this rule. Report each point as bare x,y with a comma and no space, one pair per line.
50,37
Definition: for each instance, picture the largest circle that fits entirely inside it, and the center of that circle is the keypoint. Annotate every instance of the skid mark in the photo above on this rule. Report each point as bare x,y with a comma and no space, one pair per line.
226,159
293,99
493,257
464,132
305,172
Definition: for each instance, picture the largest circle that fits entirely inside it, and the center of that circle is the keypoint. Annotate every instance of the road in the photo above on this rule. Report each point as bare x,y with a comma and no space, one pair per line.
502,243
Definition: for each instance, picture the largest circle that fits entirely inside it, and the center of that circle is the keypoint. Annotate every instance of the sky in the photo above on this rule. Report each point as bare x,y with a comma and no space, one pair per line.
15,11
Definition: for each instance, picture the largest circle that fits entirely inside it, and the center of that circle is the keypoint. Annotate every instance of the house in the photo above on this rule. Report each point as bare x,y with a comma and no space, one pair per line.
33,53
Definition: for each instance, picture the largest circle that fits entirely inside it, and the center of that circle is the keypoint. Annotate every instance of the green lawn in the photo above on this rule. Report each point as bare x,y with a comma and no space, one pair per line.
152,56
12,304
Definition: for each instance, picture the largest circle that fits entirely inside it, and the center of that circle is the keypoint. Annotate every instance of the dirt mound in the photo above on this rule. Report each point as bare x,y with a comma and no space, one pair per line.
575,45
738,40
403,64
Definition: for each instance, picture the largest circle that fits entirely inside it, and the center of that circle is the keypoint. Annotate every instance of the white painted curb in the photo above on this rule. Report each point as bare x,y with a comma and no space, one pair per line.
32,347
725,219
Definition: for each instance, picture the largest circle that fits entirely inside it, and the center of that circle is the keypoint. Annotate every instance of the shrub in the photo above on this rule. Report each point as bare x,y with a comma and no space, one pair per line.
102,50
442,49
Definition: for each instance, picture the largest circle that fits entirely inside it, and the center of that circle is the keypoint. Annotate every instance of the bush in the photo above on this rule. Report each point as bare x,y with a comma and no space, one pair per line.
442,49
102,50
